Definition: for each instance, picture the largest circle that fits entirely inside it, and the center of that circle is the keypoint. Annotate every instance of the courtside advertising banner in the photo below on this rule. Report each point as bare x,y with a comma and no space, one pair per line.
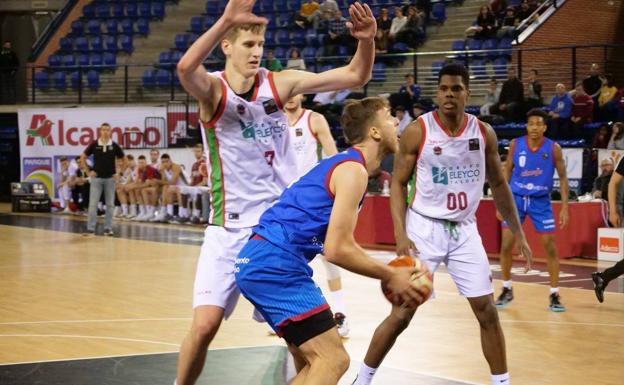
573,158
48,133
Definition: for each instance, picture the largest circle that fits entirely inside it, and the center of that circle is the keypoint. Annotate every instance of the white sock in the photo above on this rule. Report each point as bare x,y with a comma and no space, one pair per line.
196,213
507,284
500,379
150,210
554,290
365,375
182,212
338,305
170,209
124,209
141,209
133,210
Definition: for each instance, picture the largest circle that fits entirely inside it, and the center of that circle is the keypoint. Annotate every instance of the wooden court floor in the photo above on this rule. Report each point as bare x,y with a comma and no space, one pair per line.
63,296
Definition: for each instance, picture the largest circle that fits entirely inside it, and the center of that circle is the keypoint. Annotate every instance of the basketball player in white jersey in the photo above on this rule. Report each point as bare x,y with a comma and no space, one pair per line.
250,160
443,158
172,176
191,192
312,139
127,177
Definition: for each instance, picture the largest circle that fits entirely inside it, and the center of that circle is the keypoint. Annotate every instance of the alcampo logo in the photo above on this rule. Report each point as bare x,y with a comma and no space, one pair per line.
40,129
440,175
609,245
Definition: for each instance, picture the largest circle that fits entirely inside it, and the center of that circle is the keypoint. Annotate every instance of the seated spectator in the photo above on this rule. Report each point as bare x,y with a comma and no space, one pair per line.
617,137
498,7
398,23
418,109
526,10
485,25
491,97
383,31
560,112
403,117
81,190
534,91
607,106
425,6
271,62
582,112
508,24
303,18
295,62
408,94
511,99
326,12
619,100
63,185
412,33
601,139
601,184
337,34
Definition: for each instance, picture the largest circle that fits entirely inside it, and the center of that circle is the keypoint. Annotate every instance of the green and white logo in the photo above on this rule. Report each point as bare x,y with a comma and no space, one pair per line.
440,175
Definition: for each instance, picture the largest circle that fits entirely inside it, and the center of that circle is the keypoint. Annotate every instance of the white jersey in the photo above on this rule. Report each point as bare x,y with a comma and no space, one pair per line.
181,178
308,149
449,171
248,152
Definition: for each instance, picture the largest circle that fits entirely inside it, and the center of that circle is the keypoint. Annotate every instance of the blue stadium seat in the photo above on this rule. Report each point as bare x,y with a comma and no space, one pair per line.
59,80
176,56
149,79
379,72
282,37
326,67
267,5
93,80
158,10
212,7
42,80
131,10
88,11
164,59
500,67
282,21
96,61
474,44
436,66
94,27
209,21
505,46
438,12
102,11
271,18
280,5
54,61
298,38
163,78
96,44
311,38
400,47
69,61
143,26
83,60
74,80
110,61
197,24
66,44
127,26
309,54
182,41
458,45
126,43
193,37
478,68
491,45
294,5
110,43
280,53
342,51
117,10
269,39
112,27
77,27
145,10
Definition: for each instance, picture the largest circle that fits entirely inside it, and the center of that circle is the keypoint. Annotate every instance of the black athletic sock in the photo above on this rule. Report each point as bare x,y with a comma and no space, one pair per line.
613,272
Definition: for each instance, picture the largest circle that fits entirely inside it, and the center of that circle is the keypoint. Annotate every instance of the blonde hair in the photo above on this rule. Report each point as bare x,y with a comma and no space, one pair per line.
357,117
232,35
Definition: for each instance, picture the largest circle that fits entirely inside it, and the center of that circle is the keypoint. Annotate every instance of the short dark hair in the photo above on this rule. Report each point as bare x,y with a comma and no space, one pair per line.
357,116
105,124
129,156
165,156
535,71
154,149
538,112
141,157
409,75
455,69
63,159
199,145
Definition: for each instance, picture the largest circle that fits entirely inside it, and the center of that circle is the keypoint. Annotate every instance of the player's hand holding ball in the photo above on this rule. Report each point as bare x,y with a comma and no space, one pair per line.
410,285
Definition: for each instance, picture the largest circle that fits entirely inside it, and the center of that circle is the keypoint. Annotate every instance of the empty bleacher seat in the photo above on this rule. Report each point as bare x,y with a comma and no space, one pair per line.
83,60
478,68
458,45
112,27
436,66
96,61
96,44
74,79
438,12
163,78
197,24
127,26
158,10
280,53
182,42
282,37
66,44
110,61
298,38
69,61
77,27
93,79
143,26
379,72
176,56
149,79
102,11
54,61
500,67
490,45
164,59
110,43
309,54
42,80
294,5
212,7
59,79
131,10
504,45
145,10
88,11
94,27
117,10
126,43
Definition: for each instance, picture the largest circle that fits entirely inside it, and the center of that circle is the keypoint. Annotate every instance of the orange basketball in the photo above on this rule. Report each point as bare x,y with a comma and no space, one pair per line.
421,279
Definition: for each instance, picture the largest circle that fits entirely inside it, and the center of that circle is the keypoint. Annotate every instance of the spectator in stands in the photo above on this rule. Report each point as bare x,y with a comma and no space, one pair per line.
104,152
403,117
491,97
425,6
412,33
534,91
80,192
398,23
63,185
617,137
410,89
329,104
304,17
9,64
155,158
337,34
485,25
271,62
508,23
601,184
511,99
606,100
498,7
620,105
295,62
582,112
526,10
418,109
601,139
325,13
560,111
384,23
592,85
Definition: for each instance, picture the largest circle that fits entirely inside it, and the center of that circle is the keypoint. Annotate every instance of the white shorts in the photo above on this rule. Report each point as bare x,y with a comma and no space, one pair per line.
193,191
463,254
214,280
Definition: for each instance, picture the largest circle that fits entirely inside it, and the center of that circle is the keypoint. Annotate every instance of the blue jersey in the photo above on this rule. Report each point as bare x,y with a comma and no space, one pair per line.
533,170
298,221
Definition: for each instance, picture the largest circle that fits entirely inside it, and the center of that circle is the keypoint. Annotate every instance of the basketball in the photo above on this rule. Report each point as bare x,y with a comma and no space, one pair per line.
422,278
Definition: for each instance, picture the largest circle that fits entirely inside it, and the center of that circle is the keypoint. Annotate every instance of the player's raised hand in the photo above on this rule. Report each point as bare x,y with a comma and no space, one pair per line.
404,246
564,217
525,251
363,25
238,12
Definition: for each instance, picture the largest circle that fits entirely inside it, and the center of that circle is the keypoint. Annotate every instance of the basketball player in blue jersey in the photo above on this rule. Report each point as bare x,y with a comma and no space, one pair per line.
249,157
443,159
530,168
318,214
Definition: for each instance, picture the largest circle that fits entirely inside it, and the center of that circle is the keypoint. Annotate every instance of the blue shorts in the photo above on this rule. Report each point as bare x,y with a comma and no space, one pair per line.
539,209
278,283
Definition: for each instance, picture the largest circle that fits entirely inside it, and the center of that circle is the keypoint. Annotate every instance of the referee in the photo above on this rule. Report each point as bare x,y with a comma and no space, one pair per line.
104,152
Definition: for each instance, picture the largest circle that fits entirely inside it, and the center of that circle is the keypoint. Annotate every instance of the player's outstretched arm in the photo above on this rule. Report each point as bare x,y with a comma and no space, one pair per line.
357,73
503,199
191,71
404,163
563,185
323,134
348,184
